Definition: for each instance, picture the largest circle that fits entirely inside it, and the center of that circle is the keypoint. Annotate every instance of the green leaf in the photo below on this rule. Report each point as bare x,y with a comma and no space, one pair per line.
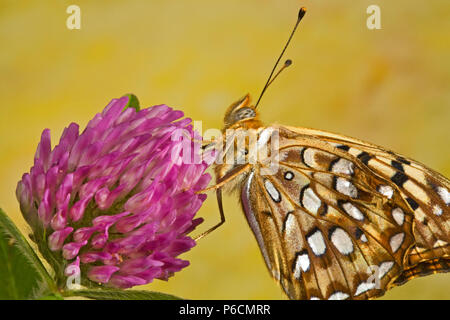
53,296
133,102
22,273
110,294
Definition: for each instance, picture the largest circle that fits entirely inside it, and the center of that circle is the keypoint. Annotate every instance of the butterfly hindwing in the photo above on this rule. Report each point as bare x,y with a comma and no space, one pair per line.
343,219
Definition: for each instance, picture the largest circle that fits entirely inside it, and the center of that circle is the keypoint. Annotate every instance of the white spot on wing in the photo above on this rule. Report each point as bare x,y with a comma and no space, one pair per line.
308,157
317,243
311,201
273,192
420,249
386,191
290,223
342,241
301,264
440,243
363,238
398,215
384,268
346,187
314,298
288,175
338,296
396,241
437,210
343,166
353,211
444,194
363,287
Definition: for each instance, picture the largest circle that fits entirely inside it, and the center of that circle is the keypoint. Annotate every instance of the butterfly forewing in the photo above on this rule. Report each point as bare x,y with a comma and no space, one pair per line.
342,218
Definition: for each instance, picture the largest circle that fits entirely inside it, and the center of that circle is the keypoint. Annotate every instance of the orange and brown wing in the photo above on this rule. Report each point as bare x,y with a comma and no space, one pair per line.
345,219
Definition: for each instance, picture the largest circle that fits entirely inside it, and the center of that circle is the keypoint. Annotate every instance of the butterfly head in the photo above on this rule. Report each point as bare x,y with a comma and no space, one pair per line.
241,113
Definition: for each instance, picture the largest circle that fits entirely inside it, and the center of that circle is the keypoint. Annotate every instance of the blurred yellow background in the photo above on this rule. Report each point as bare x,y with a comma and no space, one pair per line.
388,86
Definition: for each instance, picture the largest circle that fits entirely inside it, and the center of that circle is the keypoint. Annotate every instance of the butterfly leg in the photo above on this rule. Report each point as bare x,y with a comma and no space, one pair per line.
222,216
226,179
218,187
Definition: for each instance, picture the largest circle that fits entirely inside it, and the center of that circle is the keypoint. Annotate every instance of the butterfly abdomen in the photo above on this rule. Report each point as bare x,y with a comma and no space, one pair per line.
424,268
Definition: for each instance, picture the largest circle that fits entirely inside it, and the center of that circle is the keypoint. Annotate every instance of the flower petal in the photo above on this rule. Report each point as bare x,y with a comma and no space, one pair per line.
101,274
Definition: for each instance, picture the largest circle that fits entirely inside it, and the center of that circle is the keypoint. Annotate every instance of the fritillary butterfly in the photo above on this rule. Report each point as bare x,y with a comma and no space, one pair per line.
340,218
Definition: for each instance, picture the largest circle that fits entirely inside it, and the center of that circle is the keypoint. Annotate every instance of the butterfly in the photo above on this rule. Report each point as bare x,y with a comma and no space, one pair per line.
334,217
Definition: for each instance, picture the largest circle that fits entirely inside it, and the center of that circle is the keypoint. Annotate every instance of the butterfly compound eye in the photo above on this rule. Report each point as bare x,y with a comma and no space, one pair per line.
244,113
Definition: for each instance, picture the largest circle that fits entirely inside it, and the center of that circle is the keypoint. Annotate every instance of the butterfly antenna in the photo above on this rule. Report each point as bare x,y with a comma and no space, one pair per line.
301,13
286,64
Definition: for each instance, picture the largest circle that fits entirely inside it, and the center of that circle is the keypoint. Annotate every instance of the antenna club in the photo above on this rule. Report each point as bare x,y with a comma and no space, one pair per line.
301,13
288,62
